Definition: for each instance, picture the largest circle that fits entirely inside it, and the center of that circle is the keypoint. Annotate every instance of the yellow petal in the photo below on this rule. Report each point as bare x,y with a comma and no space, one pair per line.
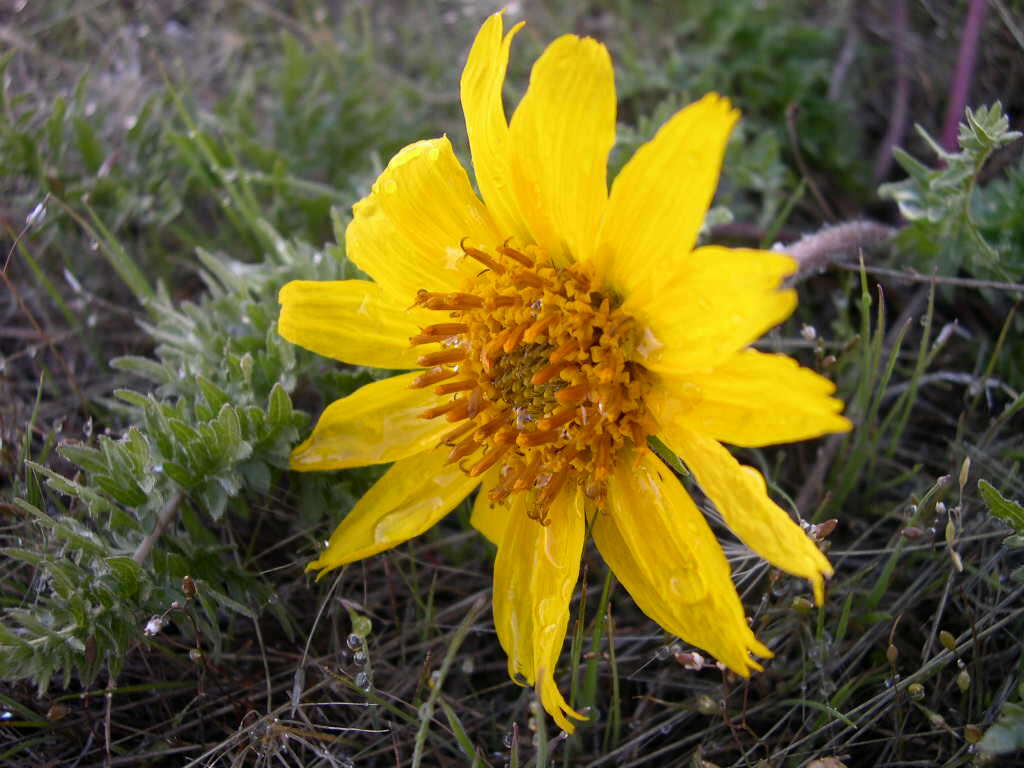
701,309
482,82
406,233
534,577
741,496
560,137
659,199
377,423
660,547
410,498
751,399
350,320
488,517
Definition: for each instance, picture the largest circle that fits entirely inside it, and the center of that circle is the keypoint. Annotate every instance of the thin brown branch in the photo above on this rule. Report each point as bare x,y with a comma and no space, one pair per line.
166,516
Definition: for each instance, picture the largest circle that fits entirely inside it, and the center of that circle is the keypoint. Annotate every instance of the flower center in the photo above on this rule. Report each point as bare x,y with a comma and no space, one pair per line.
534,368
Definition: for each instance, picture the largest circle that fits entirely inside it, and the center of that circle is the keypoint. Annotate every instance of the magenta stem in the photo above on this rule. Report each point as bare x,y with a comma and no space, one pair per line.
964,71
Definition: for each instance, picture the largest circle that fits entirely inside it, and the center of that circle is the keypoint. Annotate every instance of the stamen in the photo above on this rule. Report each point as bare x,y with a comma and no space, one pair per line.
527,280
452,355
557,419
462,385
490,459
432,376
459,412
541,325
453,301
572,395
439,410
496,302
483,257
515,255
548,372
460,431
529,474
446,329
513,338
528,439
466,448
570,347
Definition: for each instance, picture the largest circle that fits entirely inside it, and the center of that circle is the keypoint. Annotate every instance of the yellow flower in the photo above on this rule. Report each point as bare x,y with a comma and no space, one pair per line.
560,326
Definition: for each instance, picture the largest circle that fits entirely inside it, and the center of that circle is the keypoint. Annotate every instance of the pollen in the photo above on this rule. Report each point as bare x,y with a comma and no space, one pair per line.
535,371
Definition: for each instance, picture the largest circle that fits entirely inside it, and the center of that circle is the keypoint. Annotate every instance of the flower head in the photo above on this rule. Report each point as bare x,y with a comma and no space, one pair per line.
557,326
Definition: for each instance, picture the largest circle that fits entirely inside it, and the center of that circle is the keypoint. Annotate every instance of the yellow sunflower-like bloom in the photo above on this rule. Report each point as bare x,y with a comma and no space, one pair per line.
560,325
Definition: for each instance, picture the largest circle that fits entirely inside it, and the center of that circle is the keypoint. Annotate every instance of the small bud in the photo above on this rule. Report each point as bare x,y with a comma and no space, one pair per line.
195,655
940,507
947,640
809,332
916,691
950,532
972,733
963,681
707,705
822,530
958,562
965,470
690,660
892,653
57,712
913,533
802,605
828,361
937,720
154,626
188,587
361,625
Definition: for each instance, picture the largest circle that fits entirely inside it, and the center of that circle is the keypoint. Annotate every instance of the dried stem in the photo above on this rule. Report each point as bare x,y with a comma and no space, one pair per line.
166,515
964,73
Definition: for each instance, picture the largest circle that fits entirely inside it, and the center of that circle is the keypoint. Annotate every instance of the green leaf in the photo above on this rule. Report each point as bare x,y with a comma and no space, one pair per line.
1010,512
1007,735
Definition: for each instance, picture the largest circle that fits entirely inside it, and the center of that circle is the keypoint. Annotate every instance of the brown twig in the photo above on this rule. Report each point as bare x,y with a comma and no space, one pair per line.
964,73
166,516
900,94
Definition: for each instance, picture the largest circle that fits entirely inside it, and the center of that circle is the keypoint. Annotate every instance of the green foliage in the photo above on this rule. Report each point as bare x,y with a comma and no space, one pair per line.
1006,735
1007,510
952,223
218,424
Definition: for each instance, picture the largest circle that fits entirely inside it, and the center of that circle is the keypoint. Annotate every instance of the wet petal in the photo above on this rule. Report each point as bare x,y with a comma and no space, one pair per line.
409,499
534,578
482,82
702,309
354,321
659,199
561,134
661,549
488,517
406,233
751,399
376,424
741,496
